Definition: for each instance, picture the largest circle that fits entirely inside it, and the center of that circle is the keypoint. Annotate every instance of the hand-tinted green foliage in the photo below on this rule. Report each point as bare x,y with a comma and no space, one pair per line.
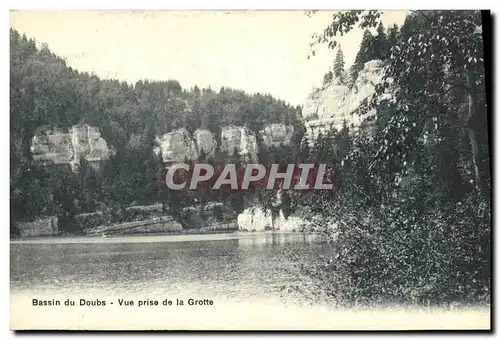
413,208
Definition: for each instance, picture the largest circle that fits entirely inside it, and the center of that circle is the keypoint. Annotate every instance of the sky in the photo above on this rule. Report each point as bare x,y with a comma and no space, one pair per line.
255,51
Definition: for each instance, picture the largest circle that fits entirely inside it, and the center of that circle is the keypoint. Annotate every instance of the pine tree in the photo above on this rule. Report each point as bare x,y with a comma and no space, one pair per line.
365,53
392,37
381,47
338,66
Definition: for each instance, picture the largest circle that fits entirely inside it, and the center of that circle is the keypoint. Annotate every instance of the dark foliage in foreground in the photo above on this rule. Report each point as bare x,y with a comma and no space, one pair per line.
413,213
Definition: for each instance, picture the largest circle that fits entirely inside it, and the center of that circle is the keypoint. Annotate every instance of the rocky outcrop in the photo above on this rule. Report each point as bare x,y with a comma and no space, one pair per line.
179,145
60,147
56,146
165,224
294,222
256,219
277,135
301,220
205,142
40,227
330,106
327,103
241,140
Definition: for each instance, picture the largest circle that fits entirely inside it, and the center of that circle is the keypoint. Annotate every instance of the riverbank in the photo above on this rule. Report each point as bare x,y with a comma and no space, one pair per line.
146,220
134,220
159,237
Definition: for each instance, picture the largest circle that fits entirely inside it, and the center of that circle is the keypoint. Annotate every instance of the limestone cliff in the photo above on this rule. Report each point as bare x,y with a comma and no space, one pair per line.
237,138
178,145
256,219
205,142
277,134
56,146
68,147
333,104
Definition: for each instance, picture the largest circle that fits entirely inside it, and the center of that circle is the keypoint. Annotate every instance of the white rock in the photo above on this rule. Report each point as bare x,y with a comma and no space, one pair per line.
332,105
254,219
277,134
292,223
240,139
205,141
178,145
81,141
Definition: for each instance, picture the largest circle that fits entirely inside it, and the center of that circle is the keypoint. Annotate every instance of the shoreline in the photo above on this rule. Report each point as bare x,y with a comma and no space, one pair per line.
166,237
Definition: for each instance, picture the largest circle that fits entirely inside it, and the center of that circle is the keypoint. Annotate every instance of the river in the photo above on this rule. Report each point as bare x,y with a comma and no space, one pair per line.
233,265
243,274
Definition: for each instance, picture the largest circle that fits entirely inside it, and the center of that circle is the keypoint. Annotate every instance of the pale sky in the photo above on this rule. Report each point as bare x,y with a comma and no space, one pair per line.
257,51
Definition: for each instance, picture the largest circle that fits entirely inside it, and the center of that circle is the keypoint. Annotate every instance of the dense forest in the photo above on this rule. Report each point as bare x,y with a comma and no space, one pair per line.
413,211
44,92
412,203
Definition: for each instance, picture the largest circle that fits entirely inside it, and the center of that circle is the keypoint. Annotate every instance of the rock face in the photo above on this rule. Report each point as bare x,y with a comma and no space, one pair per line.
60,147
164,224
41,227
68,147
371,75
277,134
237,138
178,145
302,220
256,219
330,106
294,222
205,142
329,102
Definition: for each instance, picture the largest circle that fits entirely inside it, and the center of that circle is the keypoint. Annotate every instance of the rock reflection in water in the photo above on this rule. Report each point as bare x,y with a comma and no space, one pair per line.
240,266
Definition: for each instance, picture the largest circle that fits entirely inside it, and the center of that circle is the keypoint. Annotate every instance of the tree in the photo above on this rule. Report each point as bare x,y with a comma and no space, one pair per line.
407,188
435,55
381,43
392,36
338,66
45,92
366,53
327,78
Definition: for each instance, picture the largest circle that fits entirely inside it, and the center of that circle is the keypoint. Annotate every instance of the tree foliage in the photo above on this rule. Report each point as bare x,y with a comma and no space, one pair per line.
44,91
339,66
413,212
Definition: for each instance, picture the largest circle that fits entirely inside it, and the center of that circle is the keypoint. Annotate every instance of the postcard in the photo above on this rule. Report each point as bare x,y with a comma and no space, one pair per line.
250,170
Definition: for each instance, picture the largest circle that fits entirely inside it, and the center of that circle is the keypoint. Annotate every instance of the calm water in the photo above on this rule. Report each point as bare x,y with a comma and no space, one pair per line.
241,272
238,266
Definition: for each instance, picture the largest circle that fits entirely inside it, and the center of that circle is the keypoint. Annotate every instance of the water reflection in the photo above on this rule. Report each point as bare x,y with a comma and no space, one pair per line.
235,266
278,239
